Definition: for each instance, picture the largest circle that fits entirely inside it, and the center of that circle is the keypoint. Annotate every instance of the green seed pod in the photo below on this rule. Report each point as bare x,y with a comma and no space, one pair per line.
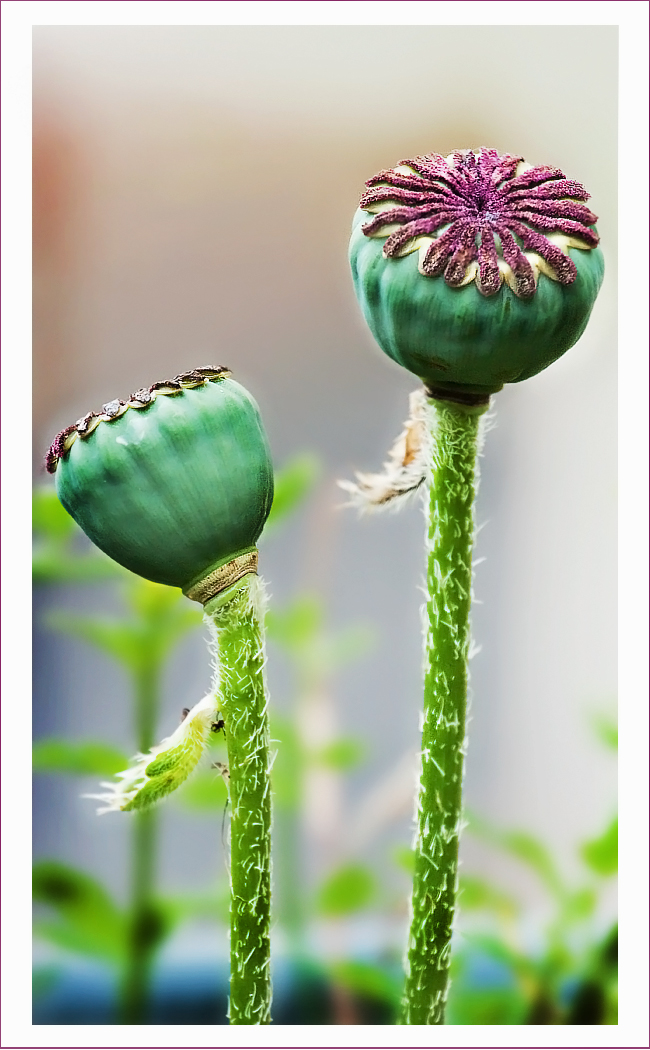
475,270
175,484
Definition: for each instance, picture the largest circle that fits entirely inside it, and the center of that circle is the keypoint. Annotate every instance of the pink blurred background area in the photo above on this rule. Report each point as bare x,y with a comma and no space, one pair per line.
193,193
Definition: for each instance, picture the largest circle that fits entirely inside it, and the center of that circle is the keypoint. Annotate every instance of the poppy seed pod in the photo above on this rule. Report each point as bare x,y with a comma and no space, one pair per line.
476,269
175,484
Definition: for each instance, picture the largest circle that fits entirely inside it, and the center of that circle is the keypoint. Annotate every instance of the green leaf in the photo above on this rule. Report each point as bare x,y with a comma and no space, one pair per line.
534,853
502,952
44,978
49,516
525,847
405,857
121,641
486,1006
53,562
140,645
205,790
348,645
607,731
344,753
299,629
184,907
349,889
79,757
296,624
87,920
293,483
478,895
601,853
288,767
580,905
157,603
368,979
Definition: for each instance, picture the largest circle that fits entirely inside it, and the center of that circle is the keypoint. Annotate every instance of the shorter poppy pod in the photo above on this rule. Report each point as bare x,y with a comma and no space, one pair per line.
476,269
175,483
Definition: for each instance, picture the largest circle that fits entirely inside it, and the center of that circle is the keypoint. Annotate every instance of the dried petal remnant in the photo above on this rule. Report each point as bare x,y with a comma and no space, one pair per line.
481,216
406,469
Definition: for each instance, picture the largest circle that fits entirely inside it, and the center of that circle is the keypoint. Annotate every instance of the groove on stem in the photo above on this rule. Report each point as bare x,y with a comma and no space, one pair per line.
236,621
455,432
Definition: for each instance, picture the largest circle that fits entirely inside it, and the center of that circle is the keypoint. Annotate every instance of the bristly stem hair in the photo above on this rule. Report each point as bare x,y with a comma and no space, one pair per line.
236,620
455,434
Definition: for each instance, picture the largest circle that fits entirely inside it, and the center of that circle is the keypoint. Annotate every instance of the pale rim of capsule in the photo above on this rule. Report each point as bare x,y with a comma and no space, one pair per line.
141,399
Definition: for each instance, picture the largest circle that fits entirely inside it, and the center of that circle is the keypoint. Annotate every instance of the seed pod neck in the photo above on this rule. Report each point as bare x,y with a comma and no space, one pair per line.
473,403
212,588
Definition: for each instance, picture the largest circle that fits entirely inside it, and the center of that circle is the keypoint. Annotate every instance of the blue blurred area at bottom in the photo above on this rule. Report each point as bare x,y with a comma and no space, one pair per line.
73,993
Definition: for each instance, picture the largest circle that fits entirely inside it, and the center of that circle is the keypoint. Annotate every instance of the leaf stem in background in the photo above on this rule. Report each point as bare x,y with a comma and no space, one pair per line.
143,927
236,620
455,431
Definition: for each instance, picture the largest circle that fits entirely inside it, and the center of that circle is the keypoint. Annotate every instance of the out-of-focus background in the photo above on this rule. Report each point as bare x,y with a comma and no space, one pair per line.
193,192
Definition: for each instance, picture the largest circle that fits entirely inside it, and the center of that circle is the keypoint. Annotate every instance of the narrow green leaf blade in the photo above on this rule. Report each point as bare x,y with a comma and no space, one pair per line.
87,920
344,753
347,890
49,516
404,856
522,845
295,625
79,757
478,895
607,731
368,979
53,562
119,640
205,791
601,854
293,483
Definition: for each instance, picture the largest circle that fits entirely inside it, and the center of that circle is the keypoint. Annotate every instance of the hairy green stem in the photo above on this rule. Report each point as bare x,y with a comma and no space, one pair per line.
143,928
236,619
449,579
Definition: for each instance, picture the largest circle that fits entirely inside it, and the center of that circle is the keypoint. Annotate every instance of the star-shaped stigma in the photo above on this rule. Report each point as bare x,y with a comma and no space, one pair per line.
481,216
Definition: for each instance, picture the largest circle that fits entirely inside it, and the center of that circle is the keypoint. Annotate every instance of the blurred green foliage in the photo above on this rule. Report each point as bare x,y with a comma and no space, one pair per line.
85,918
140,639
606,729
292,486
314,654
601,853
61,553
379,983
81,758
349,889
570,977
144,638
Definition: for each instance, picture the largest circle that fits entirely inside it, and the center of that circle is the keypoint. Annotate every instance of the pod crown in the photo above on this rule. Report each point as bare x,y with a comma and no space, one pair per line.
481,216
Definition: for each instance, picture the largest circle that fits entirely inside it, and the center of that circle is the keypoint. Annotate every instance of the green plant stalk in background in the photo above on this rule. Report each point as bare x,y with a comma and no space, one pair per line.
143,927
236,620
142,931
449,583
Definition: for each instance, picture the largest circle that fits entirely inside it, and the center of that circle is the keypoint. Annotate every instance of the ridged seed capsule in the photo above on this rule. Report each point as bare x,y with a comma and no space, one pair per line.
175,484
476,269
